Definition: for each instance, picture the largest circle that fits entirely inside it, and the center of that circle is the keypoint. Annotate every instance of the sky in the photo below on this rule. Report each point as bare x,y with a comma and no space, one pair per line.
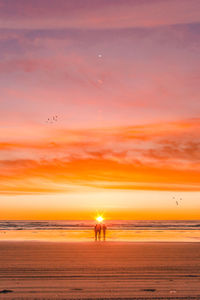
123,78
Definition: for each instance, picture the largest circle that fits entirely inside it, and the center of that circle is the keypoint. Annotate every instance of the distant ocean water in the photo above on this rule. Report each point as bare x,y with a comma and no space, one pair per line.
176,230
112,225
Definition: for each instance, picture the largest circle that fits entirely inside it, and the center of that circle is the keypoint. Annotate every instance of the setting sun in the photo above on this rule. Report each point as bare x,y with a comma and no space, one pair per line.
99,219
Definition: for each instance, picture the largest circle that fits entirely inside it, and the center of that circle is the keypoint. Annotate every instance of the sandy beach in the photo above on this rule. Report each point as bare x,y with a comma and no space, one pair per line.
89,270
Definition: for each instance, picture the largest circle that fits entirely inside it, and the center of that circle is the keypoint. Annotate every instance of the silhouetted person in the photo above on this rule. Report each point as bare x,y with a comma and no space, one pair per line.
104,231
97,230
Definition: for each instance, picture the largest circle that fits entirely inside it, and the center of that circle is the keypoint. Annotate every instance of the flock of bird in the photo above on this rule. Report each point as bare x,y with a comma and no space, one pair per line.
177,200
52,120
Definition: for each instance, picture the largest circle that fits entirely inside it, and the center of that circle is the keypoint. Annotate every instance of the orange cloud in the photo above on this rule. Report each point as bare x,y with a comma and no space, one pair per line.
149,157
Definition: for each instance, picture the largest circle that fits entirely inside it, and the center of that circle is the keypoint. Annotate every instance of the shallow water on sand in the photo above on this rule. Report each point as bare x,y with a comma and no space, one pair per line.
131,231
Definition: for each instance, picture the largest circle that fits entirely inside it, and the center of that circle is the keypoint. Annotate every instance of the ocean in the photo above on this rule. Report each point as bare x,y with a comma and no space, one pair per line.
117,230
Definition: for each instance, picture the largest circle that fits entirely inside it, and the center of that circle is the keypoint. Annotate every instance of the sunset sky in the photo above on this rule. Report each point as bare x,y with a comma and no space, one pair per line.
123,77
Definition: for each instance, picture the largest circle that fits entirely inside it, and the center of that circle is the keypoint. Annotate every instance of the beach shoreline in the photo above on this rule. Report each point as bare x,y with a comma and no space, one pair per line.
99,270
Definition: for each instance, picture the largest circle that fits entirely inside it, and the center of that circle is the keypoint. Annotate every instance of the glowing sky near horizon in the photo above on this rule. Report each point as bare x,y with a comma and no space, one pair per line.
123,77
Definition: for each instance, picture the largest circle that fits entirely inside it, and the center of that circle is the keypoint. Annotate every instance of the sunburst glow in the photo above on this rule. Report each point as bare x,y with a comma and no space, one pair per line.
99,219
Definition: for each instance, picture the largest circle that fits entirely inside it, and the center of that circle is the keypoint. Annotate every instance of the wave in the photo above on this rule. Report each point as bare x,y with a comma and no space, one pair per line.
111,224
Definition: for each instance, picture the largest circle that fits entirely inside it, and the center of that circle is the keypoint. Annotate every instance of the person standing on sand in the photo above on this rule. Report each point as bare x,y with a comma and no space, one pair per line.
104,231
97,230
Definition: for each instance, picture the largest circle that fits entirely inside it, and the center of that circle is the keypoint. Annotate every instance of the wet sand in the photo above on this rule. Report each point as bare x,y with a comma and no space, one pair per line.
89,270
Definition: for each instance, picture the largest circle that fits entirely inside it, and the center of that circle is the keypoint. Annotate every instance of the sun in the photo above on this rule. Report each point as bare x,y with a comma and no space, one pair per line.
99,219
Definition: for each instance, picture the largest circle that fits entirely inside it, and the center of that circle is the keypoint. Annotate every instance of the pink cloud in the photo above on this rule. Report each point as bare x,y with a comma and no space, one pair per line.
97,14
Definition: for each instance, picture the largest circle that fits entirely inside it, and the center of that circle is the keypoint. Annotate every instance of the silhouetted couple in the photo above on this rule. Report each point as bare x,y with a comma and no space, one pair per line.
97,229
